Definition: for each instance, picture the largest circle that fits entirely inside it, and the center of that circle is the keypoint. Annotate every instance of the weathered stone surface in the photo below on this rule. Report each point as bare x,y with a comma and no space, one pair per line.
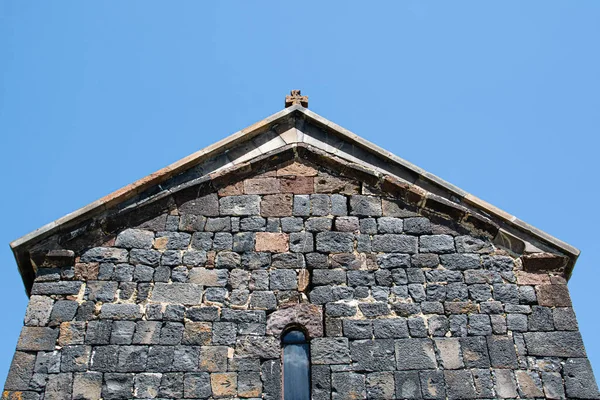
554,344
272,242
58,288
21,371
75,358
373,355
58,385
553,295
459,384
392,243
415,354
213,358
38,311
530,384
308,316
176,293
408,385
348,385
117,386
433,385
196,385
105,255
87,385
367,206
330,351
276,205
255,346
120,311
449,353
436,244
135,239
240,205
579,379
37,339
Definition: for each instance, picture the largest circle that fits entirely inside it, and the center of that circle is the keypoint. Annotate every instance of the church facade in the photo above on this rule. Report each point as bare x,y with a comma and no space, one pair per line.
295,260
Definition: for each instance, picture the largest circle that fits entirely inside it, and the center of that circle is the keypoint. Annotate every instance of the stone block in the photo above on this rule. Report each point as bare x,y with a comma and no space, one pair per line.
301,242
171,385
301,205
20,372
271,376
408,385
554,344
38,310
392,243
135,239
579,379
57,386
266,185
147,385
56,288
475,352
433,385
348,385
177,293
197,385
292,224
37,339
438,244
460,385
213,358
502,352
283,280
367,206
276,205
105,255
330,351
297,184
461,262
415,354
272,242
263,300
258,347
340,309
335,242
357,329
117,386
505,386
373,355
171,333
240,205
75,358
530,384
87,385
449,353
553,295
553,385
147,332
228,259
222,224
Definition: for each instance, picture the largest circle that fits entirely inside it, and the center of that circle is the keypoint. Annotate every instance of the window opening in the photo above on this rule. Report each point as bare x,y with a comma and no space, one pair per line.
296,366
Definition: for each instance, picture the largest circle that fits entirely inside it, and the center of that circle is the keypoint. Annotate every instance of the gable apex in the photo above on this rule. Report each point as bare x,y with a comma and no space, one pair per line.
298,129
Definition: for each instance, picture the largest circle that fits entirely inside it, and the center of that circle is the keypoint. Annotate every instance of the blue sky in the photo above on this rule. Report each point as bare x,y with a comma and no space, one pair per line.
498,98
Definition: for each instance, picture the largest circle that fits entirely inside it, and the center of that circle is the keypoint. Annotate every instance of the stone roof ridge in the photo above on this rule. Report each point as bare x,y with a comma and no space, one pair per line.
294,126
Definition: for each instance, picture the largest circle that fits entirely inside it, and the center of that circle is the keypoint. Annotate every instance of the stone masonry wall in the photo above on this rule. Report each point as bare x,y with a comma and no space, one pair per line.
192,303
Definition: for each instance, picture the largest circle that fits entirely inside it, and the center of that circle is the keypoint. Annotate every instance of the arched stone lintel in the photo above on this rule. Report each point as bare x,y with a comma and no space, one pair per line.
307,316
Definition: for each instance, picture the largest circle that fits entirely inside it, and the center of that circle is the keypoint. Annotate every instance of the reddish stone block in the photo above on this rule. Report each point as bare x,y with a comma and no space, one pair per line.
272,242
235,189
86,271
297,184
530,278
326,183
543,262
276,205
553,295
297,169
261,186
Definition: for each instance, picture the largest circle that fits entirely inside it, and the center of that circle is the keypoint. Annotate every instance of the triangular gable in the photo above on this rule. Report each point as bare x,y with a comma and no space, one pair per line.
294,133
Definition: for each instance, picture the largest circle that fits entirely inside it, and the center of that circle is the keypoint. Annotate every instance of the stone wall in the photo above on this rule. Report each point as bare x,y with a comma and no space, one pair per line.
191,303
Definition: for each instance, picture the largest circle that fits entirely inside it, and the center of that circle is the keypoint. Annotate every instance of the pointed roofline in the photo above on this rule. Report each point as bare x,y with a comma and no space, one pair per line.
402,169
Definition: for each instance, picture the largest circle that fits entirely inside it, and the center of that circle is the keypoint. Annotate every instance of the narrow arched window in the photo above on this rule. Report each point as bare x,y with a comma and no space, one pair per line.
296,366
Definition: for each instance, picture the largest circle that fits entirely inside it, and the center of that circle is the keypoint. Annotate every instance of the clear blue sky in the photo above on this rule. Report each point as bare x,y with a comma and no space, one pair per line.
499,98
